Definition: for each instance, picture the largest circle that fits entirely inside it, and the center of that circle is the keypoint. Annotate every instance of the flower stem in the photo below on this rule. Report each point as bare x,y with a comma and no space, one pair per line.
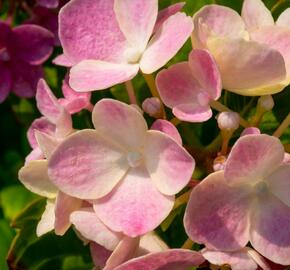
131,92
153,89
187,244
175,121
279,131
182,199
279,2
222,108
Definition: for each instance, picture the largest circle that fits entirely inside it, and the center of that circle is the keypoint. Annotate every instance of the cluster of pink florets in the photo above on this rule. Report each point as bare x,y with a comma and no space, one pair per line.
117,183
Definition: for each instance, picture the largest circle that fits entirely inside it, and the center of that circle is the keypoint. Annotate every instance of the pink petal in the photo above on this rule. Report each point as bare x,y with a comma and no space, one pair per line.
82,41
258,66
217,214
168,163
251,131
176,85
166,42
35,154
218,21
121,123
284,18
252,158
90,75
276,38
34,177
62,60
238,260
41,124
151,242
63,124
120,209
89,225
125,250
32,43
192,112
47,103
255,14
172,259
6,82
46,223
46,143
165,13
136,20
86,165
167,128
205,70
25,78
99,254
270,229
279,183
64,206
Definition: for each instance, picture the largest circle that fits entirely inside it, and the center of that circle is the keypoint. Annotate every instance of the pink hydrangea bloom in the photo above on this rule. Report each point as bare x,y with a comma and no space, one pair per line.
252,52
245,258
188,87
122,168
22,50
248,201
181,259
126,44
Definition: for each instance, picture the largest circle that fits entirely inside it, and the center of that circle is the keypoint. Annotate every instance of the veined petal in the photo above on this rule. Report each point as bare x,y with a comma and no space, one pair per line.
46,143
216,21
252,158
97,37
46,223
62,60
270,229
177,85
279,183
166,42
172,259
205,71
136,20
120,209
87,165
192,112
121,123
169,165
247,65
64,206
256,14
217,214
35,178
90,226
90,75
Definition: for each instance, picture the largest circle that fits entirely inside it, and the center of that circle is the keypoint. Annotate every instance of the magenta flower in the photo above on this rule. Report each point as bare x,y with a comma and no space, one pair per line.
107,42
188,87
48,3
248,201
252,52
122,168
22,50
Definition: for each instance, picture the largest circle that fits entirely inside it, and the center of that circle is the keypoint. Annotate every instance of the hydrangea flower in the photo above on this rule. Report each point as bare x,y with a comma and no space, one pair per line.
248,201
188,87
113,40
22,50
172,259
245,258
252,52
121,167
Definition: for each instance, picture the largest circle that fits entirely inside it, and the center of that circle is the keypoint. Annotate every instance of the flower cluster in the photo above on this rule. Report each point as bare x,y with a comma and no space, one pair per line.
116,183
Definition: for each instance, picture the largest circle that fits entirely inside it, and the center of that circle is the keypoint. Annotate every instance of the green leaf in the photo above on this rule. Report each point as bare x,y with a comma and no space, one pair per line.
13,199
6,236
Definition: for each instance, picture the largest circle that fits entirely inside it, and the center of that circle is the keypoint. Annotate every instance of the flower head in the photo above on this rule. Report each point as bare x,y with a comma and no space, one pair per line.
104,165
248,201
125,28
